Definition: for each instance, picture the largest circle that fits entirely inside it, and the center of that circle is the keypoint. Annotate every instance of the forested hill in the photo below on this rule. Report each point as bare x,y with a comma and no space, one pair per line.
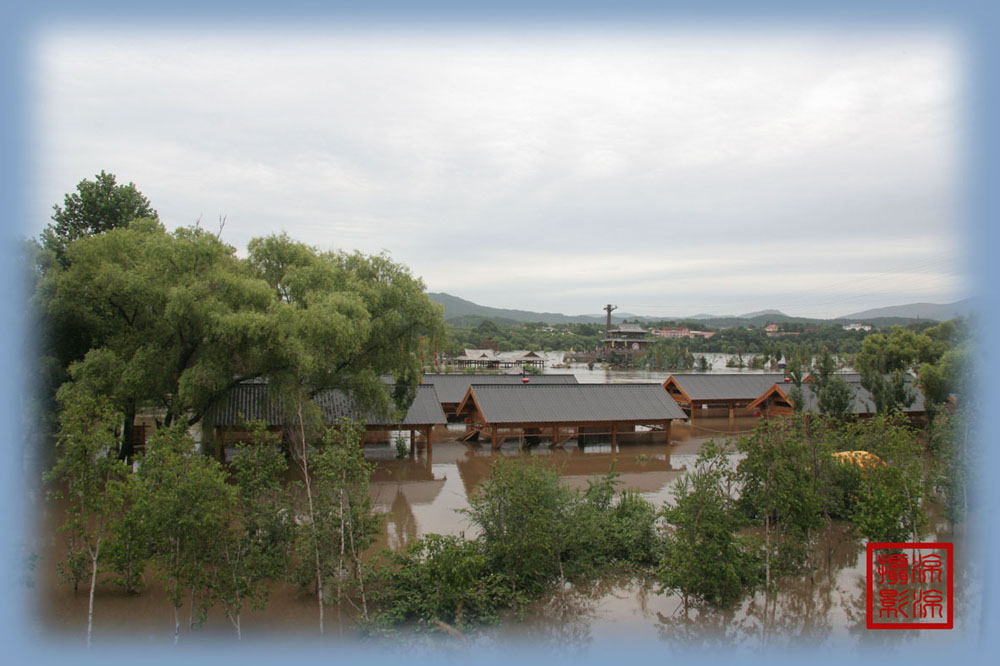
460,312
933,311
455,307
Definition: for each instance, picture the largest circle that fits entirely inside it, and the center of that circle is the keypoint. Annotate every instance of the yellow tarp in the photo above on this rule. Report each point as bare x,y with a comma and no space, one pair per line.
861,459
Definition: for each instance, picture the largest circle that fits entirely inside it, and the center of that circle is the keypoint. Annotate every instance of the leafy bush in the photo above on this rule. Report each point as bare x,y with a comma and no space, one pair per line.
440,579
534,531
523,513
703,555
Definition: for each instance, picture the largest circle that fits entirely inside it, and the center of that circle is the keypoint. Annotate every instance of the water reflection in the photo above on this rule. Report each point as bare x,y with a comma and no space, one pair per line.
426,493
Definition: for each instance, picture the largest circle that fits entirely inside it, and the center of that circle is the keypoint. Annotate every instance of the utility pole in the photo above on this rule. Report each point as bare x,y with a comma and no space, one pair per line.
608,308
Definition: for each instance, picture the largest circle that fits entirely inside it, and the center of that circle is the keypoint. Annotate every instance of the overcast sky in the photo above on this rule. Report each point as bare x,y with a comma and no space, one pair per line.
670,173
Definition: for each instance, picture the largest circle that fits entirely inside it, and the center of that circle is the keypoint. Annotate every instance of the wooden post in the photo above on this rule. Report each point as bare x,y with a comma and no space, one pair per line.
430,437
693,406
732,410
666,429
494,431
614,436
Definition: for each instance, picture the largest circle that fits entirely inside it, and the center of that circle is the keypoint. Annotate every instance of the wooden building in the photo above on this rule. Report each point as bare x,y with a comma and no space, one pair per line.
488,358
451,388
560,412
626,339
252,401
708,394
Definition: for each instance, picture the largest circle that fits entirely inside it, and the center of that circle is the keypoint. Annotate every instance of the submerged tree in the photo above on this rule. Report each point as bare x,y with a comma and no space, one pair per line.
704,556
951,444
85,473
833,395
339,524
889,506
523,512
186,503
781,487
128,550
258,540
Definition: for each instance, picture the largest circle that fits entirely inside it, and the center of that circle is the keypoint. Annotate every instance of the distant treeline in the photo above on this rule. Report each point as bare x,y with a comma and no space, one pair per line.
740,340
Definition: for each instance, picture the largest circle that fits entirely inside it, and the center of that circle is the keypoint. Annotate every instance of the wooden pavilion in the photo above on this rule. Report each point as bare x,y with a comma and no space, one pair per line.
451,388
488,358
561,412
251,401
707,393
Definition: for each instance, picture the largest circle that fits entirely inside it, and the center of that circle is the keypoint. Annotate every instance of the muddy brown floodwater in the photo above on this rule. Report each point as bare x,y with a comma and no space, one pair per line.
425,494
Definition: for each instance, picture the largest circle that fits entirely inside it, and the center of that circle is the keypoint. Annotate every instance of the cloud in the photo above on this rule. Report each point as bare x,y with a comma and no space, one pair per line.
597,161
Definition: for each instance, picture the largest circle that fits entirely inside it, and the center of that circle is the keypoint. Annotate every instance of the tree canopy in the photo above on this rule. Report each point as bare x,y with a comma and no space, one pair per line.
97,206
174,320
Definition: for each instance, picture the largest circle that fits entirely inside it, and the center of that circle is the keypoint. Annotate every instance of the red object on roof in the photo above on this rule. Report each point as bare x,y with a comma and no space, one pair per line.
525,380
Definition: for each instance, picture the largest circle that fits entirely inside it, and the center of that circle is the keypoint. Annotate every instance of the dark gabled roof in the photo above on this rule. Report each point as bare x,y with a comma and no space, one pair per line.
734,386
251,402
574,403
425,410
862,401
246,402
452,388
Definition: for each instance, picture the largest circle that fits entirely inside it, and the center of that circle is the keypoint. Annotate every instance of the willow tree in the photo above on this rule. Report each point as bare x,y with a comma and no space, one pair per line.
890,504
342,321
347,319
174,319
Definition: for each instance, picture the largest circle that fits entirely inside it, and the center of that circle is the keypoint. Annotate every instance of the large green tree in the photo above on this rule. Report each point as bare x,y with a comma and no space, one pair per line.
97,206
885,362
172,320
346,320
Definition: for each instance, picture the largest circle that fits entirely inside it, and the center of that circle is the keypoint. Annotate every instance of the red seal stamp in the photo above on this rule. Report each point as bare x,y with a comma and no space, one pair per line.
910,586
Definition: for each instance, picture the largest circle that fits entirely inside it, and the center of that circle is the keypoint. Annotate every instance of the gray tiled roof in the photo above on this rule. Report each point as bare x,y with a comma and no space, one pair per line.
425,410
734,386
452,387
575,403
246,402
251,402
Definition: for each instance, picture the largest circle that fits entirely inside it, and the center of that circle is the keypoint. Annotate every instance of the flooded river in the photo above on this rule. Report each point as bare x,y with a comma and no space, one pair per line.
425,494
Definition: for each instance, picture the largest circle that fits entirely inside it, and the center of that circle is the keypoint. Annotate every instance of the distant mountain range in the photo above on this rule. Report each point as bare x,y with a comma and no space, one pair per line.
455,307
933,311
461,312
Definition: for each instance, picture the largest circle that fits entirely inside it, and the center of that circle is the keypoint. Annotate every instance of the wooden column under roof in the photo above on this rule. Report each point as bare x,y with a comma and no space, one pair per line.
584,409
